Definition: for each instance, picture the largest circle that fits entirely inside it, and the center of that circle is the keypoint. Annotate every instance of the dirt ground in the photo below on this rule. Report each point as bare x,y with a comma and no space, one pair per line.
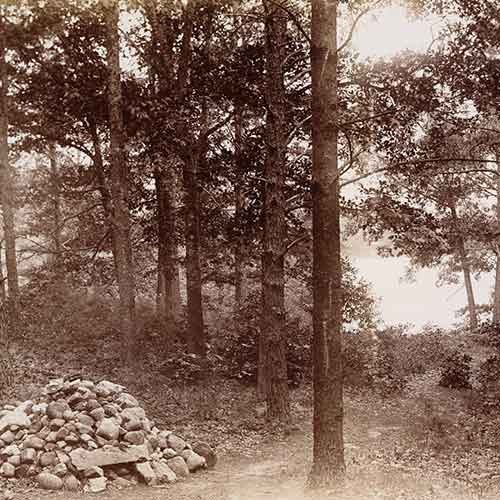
382,461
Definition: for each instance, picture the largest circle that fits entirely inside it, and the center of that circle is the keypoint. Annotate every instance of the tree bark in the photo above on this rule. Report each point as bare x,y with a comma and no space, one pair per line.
273,341
471,303
3,292
56,243
7,179
195,335
240,291
496,305
120,221
464,262
168,295
328,448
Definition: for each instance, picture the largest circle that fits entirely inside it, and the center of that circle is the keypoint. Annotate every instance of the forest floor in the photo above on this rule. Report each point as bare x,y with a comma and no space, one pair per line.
423,444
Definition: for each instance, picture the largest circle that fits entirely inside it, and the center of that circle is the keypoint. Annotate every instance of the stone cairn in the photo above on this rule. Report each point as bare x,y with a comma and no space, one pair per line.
80,434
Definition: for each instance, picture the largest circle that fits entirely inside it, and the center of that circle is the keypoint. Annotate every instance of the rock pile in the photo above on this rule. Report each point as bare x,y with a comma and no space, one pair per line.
81,434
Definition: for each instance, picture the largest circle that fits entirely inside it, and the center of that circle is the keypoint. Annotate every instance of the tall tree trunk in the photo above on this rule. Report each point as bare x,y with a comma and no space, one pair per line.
328,449
120,222
464,262
496,306
56,243
273,340
471,303
195,335
7,180
168,296
240,290
3,292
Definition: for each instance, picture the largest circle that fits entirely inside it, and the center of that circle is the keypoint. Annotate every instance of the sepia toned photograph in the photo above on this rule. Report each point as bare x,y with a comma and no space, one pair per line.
250,249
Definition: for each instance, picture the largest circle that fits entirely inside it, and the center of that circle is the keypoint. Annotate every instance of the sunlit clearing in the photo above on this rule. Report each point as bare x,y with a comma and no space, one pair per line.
389,30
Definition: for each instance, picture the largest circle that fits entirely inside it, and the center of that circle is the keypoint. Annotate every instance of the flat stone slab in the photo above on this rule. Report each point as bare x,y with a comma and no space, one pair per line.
16,417
108,455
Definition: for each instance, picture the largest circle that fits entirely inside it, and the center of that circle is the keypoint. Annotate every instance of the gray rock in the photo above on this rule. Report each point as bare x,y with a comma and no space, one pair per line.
85,419
56,409
8,437
11,450
51,437
176,443
71,483
72,439
62,434
163,472
93,472
63,457
7,470
97,414
133,424
125,400
207,452
68,415
28,456
34,442
84,459
105,389
179,466
93,404
169,453
121,482
84,429
133,413
97,484
60,470
134,437
40,408
16,460
108,429
111,410
16,417
193,460
47,459
49,481
56,424
146,472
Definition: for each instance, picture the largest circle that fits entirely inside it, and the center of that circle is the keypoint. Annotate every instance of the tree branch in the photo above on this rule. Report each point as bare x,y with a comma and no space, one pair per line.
354,24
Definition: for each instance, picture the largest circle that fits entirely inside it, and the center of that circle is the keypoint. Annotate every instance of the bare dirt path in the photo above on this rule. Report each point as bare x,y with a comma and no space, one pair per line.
380,456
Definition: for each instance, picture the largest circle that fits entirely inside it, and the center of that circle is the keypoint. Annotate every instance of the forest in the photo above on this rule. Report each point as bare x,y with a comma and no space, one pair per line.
179,182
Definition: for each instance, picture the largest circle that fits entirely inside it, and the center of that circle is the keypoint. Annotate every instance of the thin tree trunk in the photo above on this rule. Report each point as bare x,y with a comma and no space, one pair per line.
273,341
328,448
496,306
7,180
195,335
56,211
464,262
168,296
471,303
240,291
3,292
120,223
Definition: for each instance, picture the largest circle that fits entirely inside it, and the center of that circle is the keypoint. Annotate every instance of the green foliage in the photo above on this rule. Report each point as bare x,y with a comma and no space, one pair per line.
456,371
240,346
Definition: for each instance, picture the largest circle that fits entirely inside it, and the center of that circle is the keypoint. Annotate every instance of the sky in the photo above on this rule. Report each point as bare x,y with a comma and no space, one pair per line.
420,302
384,33
387,31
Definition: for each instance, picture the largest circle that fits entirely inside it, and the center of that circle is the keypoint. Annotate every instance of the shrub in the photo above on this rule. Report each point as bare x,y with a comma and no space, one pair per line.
456,371
239,349
488,333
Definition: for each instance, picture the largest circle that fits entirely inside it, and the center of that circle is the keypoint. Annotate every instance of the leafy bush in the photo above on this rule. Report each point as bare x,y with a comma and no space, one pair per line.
489,384
488,333
456,371
239,349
